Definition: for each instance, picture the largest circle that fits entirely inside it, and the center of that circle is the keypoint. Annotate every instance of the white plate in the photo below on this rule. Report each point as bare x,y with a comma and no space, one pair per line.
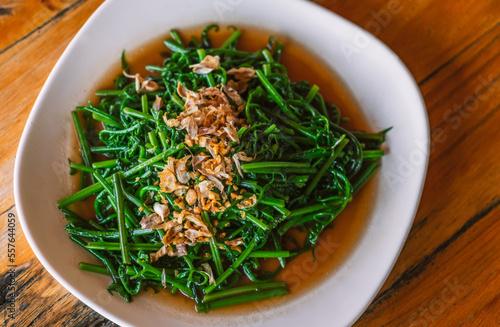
379,81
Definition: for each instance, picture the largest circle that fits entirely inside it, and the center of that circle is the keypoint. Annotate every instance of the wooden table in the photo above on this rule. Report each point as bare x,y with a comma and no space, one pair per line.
448,272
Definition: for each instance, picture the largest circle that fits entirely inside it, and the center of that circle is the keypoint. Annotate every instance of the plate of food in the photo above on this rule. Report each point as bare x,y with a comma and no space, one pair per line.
215,163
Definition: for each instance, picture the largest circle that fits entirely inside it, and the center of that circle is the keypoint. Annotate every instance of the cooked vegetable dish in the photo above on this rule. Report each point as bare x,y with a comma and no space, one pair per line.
203,167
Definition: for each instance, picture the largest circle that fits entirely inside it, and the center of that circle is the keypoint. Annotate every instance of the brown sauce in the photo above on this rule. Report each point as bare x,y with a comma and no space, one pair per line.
335,244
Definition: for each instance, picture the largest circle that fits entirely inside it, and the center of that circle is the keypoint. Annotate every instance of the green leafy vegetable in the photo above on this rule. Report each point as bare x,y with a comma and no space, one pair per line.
203,167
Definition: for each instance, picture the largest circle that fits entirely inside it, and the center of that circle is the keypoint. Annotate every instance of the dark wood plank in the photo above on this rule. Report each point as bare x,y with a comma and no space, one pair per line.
42,301
451,121
35,14
425,35
25,66
405,303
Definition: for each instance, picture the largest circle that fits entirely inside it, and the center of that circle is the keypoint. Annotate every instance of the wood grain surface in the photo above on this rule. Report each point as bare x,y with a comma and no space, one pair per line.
448,271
